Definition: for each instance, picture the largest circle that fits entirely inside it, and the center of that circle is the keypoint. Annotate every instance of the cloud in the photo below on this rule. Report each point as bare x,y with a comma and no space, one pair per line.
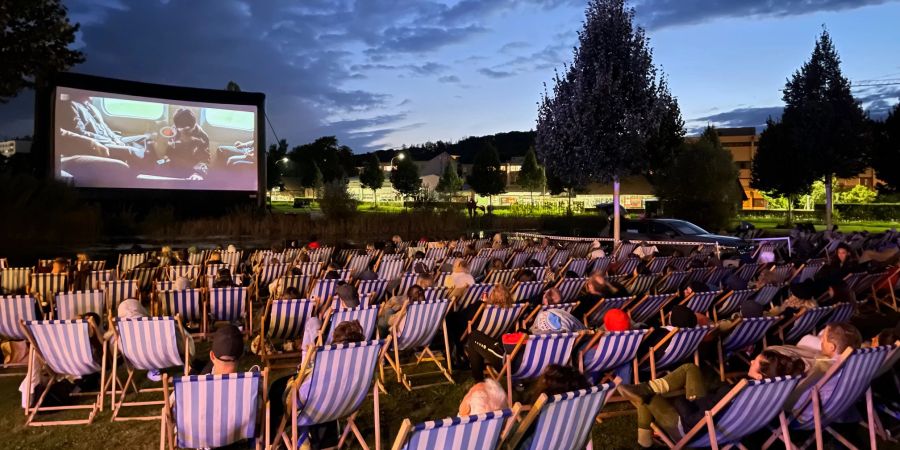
449,79
491,73
663,13
878,101
740,117
514,45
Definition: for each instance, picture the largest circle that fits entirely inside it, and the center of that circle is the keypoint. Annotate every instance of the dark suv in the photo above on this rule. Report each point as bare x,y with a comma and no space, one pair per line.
677,230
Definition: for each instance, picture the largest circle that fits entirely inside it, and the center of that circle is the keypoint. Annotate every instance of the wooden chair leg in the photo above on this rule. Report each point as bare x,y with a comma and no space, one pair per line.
817,417
870,413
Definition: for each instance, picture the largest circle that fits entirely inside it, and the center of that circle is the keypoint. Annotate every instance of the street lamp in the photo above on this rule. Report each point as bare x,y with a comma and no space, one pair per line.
284,160
399,157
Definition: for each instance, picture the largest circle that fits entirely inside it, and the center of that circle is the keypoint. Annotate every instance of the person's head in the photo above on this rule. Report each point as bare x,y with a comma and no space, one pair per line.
697,286
166,250
59,265
497,264
557,379
396,239
750,309
500,296
231,248
226,349
595,245
290,293
181,284
82,257
682,317
886,337
348,294
525,275
425,280
415,293
771,364
419,254
332,275
184,119
223,274
461,265
838,337
842,252
596,281
215,257
349,331
131,308
616,320
552,297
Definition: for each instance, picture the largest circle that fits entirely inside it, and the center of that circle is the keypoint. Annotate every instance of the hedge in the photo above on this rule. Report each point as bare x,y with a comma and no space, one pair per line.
866,211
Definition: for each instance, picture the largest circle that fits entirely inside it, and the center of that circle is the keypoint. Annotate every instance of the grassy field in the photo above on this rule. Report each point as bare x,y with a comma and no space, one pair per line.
770,224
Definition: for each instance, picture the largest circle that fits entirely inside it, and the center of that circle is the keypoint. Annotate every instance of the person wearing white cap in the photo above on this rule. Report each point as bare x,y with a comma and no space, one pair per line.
596,250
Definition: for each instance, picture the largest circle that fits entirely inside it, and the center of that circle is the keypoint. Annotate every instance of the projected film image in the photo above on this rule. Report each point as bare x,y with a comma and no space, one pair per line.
117,141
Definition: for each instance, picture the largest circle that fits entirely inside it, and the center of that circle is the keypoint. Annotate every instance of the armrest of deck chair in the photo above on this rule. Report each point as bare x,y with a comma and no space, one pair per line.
475,318
651,355
507,365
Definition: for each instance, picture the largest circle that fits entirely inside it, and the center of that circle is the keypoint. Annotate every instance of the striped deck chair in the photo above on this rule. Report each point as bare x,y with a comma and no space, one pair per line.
501,253
847,380
477,265
783,273
624,250
643,284
749,331
357,263
439,278
187,271
580,249
336,304
437,293
559,259
567,307
575,411
367,317
716,275
374,287
701,302
69,305
13,310
437,253
649,306
213,269
579,266
300,282
98,278
700,274
406,280
600,265
284,320
481,432
233,259
607,351
92,265
569,288
165,285
840,312
670,283
748,407
472,294
65,348
187,303
311,269
390,270
323,290
626,266
128,261
417,325
731,302
677,346
747,272
537,352
270,272
145,276
119,290
526,290
501,276
495,320
200,257
145,343
230,304
15,280
766,294
802,323
863,287
517,260
658,264
540,273
680,263
807,272
4,263
325,397
594,317
44,286
208,411
541,256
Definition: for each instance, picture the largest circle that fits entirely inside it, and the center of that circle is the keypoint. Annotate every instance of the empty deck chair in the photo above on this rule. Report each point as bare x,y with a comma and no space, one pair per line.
701,302
187,303
232,305
731,302
644,309
477,432
145,276
477,265
501,276
748,407
495,320
65,348
119,290
569,288
608,351
13,310
325,397
233,259
679,345
417,325
15,280
69,305
472,294
594,317
526,290
284,320
563,421
748,331
802,323
367,317
145,343
537,352
269,272
44,286
208,411
517,260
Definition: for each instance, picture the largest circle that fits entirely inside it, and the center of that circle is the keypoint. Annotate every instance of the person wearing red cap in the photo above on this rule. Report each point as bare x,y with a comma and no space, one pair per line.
616,320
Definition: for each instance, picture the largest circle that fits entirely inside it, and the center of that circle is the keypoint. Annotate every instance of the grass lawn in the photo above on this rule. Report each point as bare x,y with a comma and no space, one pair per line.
770,224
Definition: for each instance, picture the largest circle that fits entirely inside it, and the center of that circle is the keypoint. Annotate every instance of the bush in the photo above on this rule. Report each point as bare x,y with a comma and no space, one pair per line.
336,202
866,211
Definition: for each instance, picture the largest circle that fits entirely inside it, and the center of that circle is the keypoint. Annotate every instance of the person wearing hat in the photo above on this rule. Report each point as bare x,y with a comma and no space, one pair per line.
596,250
225,352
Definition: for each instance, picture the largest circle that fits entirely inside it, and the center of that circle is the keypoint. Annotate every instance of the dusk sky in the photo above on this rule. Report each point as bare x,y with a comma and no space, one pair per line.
382,73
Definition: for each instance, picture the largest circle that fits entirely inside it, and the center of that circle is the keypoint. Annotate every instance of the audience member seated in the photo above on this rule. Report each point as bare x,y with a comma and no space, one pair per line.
459,279
680,317
393,305
224,354
483,397
596,289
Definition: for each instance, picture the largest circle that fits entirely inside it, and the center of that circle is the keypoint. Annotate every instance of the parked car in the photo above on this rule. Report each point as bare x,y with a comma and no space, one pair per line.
677,230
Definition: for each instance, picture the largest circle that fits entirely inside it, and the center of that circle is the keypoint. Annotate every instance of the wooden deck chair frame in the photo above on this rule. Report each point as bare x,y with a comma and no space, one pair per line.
890,298
720,342
116,404
248,311
19,369
651,355
586,320
593,343
426,355
480,311
267,358
519,430
406,429
32,411
510,358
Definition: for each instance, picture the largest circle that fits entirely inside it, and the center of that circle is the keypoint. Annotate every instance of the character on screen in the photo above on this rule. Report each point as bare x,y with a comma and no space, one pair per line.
188,152
238,155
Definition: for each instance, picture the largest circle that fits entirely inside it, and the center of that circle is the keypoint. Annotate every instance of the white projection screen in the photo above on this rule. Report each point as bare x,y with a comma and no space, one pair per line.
106,140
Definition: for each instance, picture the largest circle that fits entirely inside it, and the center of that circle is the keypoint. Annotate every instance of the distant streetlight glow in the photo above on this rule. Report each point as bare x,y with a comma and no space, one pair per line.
284,160
401,156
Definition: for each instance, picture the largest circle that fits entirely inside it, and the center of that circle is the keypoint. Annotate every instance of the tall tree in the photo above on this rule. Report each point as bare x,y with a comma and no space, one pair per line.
778,169
372,177
450,182
598,124
275,164
405,177
823,122
887,153
487,178
531,176
35,36
335,161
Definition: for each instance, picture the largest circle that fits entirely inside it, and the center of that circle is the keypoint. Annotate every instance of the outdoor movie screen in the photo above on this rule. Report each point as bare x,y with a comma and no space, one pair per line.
105,140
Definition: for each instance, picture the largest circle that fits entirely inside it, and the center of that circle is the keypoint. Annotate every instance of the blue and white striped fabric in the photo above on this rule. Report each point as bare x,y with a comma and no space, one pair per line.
100,277
437,293
595,316
540,351
680,263
658,264
846,386
540,273
567,307
559,258
149,343
390,270
323,290
440,278
782,273
233,259
14,308
420,323
165,285
269,272
92,265
288,317
15,279
748,331
731,303
301,282
44,286
408,279
341,378
806,322
700,274
477,265
627,266
213,269
746,272
311,269
754,406
473,294
700,302
566,419
766,294
613,350
228,304
186,271
682,345
437,253
569,288
501,253
119,290
65,346
600,265
367,317
841,312
670,283
216,410
580,249
186,303
526,290
481,432
863,287
540,257
643,284
716,275
145,276
128,261
496,320
648,307
501,276
200,257
808,271
321,254
358,263
71,304
518,260
375,287
624,250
